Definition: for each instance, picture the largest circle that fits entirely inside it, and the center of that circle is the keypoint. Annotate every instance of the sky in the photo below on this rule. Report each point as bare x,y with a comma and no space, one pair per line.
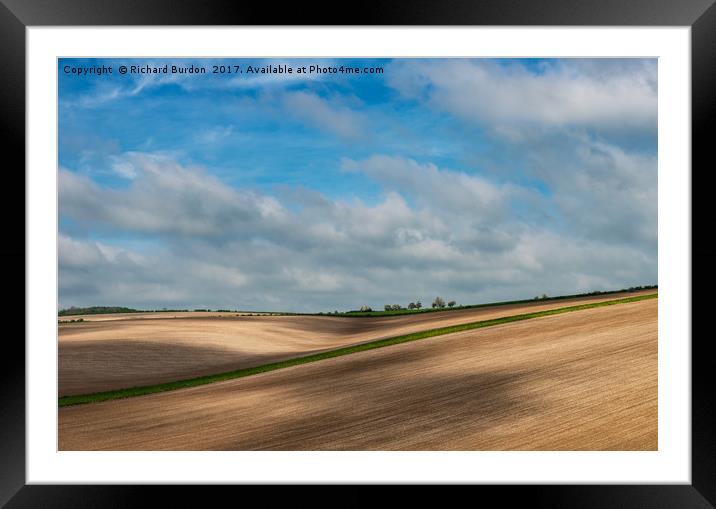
473,180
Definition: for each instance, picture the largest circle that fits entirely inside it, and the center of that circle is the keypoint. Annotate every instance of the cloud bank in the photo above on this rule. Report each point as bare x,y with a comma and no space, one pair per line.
435,231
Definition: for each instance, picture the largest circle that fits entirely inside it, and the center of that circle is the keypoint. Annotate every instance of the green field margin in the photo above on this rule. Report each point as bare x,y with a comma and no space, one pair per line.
380,343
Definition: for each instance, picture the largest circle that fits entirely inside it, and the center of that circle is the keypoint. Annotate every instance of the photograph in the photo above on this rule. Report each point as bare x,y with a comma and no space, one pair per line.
357,254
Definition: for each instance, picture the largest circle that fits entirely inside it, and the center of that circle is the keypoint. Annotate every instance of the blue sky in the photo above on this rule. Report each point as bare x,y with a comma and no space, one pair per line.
469,179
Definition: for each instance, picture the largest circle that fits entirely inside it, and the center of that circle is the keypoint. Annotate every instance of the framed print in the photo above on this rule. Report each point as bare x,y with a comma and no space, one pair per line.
425,248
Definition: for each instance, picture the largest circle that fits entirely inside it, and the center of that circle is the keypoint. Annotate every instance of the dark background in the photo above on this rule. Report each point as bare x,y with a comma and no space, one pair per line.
15,15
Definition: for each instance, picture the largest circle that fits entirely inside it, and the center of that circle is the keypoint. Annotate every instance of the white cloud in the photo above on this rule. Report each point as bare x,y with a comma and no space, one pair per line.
602,191
215,135
325,115
431,186
570,93
123,167
165,198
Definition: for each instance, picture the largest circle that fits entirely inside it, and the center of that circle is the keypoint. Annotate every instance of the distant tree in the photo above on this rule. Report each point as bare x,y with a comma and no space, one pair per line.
418,305
388,307
544,296
95,310
366,309
438,303
412,305
451,303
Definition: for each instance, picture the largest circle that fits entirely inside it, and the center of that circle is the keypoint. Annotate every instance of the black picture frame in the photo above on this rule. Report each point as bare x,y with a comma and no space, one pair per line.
16,15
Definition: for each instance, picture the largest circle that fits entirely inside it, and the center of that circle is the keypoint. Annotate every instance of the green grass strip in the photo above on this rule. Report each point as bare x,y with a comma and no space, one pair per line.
240,373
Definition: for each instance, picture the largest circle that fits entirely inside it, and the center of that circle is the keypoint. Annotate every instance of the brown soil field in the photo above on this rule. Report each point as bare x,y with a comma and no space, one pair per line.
585,380
132,350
